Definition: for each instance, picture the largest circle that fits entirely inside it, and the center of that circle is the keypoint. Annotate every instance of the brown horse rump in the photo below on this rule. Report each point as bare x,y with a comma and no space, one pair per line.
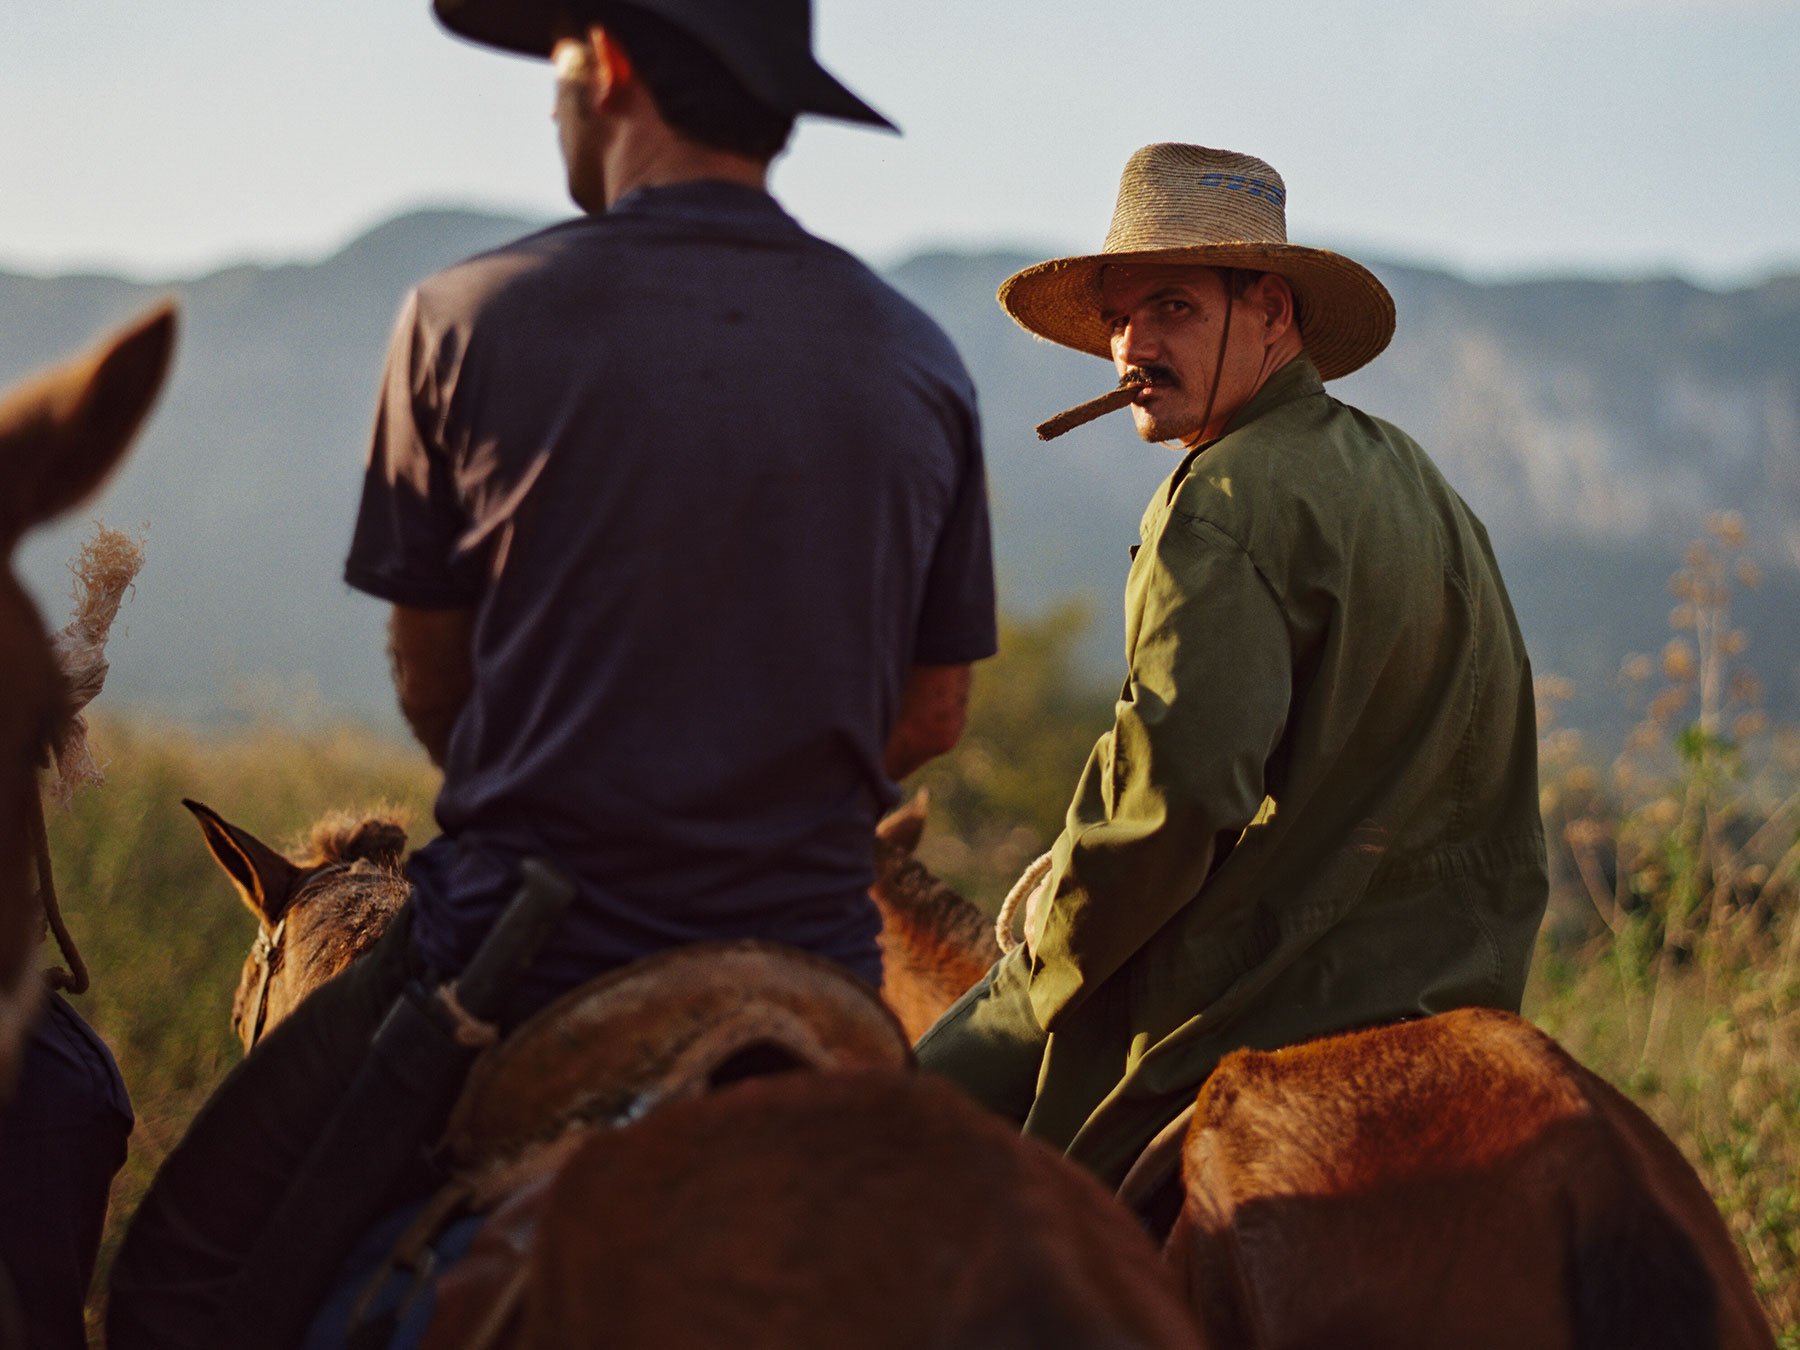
867,1208
1454,1180
655,1179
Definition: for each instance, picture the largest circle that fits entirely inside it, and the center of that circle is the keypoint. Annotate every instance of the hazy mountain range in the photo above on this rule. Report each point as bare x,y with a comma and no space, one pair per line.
1592,424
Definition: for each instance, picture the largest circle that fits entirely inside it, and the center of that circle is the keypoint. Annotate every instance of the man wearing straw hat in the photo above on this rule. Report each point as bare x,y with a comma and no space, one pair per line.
682,517
1317,806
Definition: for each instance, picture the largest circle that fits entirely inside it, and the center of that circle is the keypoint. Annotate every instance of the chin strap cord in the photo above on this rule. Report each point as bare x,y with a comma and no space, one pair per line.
1212,393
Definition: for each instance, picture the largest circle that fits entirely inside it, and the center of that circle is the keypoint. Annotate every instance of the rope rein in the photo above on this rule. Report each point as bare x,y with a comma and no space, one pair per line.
73,980
1029,881
104,570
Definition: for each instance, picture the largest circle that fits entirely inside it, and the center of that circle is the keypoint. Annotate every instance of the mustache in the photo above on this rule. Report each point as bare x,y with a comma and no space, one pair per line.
1151,374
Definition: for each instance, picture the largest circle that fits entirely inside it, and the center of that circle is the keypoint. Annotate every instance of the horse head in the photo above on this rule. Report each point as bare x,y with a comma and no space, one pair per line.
61,434
314,914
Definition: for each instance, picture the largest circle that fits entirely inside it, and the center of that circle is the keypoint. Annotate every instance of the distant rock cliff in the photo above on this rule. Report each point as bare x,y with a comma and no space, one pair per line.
1592,424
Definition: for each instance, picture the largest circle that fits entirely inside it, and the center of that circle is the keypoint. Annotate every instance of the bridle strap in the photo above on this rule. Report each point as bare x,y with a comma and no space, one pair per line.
266,952
267,949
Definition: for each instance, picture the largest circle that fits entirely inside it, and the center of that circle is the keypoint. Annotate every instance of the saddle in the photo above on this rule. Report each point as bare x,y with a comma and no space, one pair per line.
671,1026
667,1028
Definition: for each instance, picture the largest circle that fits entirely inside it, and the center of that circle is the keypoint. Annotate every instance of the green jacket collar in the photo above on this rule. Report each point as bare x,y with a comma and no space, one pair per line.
1298,379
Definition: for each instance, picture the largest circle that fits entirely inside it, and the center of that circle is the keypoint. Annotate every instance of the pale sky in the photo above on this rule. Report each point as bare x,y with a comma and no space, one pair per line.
1500,137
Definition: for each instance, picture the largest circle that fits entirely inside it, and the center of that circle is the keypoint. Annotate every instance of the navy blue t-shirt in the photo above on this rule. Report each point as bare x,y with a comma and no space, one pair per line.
711,487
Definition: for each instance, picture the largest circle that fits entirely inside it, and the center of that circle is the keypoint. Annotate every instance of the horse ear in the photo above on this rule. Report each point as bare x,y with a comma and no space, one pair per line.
262,876
904,826
62,432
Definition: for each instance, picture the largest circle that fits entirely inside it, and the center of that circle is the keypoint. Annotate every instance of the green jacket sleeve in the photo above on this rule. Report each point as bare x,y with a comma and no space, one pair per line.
1204,705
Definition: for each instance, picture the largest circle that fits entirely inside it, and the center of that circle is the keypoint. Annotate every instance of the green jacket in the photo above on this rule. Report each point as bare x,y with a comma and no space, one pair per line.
1318,806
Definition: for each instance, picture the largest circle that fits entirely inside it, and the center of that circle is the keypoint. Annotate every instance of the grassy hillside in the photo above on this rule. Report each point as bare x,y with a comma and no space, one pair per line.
1671,963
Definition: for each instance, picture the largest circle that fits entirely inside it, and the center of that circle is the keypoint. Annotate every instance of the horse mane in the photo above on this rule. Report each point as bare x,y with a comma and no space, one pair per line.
377,836
351,910
934,944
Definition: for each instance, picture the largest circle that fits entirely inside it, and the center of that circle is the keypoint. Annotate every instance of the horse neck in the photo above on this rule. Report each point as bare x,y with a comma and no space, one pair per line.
926,922
336,918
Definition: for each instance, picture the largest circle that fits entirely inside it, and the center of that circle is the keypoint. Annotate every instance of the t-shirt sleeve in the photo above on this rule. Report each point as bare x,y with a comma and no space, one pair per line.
407,527
956,622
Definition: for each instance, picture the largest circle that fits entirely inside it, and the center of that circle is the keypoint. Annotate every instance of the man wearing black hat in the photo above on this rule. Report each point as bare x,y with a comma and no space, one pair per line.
681,513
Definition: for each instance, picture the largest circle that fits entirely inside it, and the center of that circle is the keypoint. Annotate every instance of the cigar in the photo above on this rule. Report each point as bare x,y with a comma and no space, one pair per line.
1083,413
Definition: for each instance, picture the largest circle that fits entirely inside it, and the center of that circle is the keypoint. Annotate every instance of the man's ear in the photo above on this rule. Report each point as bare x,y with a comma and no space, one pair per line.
614,73
264,879
1274,298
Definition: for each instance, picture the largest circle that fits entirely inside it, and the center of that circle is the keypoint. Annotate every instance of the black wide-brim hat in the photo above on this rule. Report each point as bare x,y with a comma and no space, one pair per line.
767,45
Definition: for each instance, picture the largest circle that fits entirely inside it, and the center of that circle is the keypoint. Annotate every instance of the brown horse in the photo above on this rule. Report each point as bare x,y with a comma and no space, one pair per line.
856,1208
864,1206
1456,1180
61,433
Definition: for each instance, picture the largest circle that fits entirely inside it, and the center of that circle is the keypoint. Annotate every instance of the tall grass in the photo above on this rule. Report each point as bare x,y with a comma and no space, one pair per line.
1672,964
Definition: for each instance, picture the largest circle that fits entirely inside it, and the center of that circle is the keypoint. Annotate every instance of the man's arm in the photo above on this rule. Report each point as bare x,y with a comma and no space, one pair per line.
934,704
1204,707
433,670
403,547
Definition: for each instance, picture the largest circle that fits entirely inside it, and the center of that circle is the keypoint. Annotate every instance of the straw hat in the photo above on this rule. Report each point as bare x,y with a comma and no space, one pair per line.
1211,208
